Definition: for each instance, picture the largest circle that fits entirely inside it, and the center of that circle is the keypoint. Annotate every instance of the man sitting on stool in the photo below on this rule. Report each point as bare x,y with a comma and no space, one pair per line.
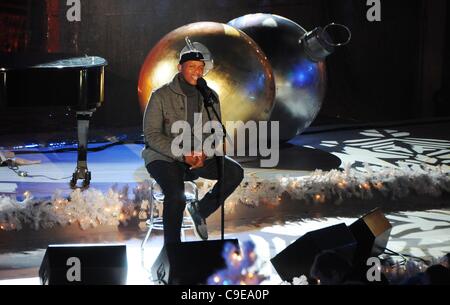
176,101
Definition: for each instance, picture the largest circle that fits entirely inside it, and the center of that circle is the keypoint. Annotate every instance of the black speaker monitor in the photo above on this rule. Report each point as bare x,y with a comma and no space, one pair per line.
84,264
189,263
298,257
372,232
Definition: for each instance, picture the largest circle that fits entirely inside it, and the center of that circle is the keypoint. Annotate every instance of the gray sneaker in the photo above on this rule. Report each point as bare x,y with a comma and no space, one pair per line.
200,228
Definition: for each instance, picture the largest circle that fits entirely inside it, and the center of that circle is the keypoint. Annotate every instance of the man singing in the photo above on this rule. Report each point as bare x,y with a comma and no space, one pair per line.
180,100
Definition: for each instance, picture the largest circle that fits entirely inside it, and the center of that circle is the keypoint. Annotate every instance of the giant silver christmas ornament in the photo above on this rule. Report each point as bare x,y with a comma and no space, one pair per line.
297,59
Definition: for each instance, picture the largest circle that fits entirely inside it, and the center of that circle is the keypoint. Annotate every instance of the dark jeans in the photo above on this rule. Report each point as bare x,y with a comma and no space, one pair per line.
171,176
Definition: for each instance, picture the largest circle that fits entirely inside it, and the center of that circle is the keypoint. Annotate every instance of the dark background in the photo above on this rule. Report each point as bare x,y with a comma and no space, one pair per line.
396,69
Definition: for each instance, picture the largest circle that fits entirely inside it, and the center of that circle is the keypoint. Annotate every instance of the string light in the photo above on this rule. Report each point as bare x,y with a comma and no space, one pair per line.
237,257
342,184
378,185
142,225
320,198
217,279
239,265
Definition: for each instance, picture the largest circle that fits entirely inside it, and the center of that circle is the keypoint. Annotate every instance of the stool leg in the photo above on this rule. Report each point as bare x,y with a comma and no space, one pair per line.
150,225
146,237
183,235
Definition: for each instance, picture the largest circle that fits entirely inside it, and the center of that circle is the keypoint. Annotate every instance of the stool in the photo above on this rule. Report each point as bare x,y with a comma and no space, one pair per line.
156,205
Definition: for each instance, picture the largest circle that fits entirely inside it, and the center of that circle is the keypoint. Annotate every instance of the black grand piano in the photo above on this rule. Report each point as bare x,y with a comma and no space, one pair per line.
56,80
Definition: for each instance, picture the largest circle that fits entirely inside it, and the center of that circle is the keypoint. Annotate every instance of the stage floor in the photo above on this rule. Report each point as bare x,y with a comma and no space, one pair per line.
421,222
424,234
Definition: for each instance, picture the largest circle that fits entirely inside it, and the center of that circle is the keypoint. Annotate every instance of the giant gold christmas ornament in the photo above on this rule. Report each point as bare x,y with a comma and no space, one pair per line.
242,75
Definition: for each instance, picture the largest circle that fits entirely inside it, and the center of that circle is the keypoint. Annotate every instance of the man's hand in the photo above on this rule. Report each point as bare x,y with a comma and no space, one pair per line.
195,159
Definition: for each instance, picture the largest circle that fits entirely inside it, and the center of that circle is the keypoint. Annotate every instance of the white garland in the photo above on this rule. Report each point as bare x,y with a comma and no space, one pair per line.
91,208
297,281
335,186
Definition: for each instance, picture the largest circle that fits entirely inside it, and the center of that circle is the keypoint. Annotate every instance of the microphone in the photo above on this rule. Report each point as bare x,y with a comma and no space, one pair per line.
208,96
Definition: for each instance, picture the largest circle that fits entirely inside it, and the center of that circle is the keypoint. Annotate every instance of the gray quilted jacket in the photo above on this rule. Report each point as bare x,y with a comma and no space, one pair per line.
166,106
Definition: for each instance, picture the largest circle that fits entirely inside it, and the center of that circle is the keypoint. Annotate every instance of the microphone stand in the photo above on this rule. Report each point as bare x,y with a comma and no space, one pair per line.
209,101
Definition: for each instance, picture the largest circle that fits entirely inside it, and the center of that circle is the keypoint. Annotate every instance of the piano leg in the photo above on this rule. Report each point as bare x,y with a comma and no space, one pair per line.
81,172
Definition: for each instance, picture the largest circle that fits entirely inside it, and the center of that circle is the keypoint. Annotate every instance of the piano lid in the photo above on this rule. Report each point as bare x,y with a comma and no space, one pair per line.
48,61
51,80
